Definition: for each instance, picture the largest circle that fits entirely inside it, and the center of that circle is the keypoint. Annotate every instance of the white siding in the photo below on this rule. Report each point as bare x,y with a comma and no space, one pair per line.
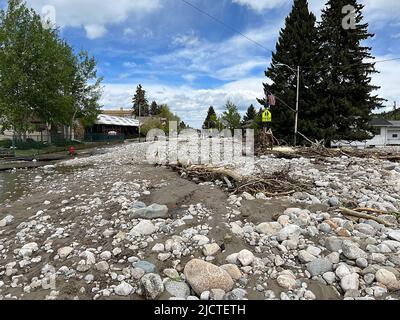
386,137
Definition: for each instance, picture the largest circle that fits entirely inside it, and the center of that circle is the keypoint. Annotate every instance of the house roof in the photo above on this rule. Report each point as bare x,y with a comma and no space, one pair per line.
380,123
116,121
395,123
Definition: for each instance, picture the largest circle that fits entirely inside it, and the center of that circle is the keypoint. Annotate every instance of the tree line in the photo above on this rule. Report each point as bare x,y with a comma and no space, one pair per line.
41,77
231,118
336,93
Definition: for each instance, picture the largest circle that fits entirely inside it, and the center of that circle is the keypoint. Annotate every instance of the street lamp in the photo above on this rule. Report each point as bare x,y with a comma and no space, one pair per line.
297,98
139,122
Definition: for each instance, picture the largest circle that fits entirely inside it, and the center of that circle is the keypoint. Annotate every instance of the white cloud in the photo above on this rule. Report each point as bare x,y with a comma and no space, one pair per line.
189,77
94,31
129,64
375,10
89,13
261,5
241,69
192,104
189,103
186,40
228,60
388,79
129,32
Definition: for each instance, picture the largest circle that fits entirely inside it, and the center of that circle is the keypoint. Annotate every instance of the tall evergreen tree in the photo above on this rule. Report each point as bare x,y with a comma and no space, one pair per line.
250,114
140,102
211,121
154,109
297,46
347,76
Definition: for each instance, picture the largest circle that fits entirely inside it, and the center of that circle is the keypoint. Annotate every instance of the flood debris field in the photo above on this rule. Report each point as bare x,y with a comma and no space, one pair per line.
112,226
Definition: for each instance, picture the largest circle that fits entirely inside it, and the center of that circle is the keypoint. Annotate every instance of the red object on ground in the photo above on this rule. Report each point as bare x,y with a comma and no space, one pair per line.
72,151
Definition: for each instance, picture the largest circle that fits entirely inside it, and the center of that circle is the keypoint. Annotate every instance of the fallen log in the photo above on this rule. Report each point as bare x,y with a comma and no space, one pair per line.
353,213
371,210
280,194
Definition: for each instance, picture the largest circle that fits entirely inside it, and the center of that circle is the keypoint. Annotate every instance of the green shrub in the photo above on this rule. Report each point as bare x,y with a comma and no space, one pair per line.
29,144
6,144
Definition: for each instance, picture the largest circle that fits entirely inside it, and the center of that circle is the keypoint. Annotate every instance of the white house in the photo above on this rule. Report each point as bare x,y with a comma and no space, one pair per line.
387,134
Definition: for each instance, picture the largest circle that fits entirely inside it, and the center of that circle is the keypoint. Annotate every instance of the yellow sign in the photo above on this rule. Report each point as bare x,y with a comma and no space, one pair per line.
267,116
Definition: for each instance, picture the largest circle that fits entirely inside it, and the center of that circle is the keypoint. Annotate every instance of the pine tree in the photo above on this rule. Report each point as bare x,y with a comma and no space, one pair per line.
182,126
211,119
297,46
250,114
347,77
154,109
231,117
140,102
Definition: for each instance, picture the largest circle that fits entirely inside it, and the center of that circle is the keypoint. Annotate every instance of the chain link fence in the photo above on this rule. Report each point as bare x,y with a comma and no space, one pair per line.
40,144
33,144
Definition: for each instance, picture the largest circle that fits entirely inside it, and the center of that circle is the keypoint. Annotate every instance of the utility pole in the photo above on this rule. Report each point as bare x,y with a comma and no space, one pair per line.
139,122
296,124
13,141
297,106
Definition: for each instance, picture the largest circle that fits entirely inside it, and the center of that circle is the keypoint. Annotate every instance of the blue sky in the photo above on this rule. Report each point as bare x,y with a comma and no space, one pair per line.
189,61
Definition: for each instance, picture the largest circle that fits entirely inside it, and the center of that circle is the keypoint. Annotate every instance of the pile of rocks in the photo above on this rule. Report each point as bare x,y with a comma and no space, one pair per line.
88,232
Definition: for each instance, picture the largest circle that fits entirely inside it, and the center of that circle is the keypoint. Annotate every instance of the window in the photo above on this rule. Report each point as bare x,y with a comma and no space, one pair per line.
395,136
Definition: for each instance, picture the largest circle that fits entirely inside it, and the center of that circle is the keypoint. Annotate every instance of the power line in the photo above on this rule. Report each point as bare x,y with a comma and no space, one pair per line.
259,44
226,25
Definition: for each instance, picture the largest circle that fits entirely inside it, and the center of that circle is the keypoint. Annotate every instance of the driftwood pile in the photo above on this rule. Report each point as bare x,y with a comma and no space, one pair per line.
265,141
276,184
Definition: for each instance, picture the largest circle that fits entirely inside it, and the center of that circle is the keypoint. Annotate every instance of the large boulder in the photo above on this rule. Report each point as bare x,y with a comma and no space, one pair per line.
65,252
155,211
352,251
350,282
395,235
286,281
28,249
6,221
319,266
204,276
143,228
333,244
152,285
177,289
388,279
306,257
246,257
291,231
269,228
211,249
123,289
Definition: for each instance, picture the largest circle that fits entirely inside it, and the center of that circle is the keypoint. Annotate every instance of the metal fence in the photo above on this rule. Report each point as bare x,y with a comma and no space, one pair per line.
101,137
32,144
33,141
